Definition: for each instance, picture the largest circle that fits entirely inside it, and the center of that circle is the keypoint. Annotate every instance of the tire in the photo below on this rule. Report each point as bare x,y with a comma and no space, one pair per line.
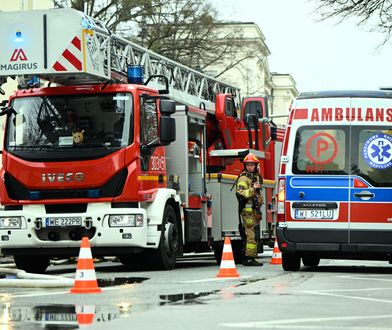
311,260
218,250
238,251
164,258
32,264
291,262
136,259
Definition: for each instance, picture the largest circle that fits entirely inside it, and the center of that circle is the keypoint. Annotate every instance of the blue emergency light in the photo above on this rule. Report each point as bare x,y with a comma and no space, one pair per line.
135,74
93,193
18,37
34,195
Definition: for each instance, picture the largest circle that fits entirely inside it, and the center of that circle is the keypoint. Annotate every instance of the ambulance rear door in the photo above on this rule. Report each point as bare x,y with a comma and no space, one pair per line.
318,180
371,173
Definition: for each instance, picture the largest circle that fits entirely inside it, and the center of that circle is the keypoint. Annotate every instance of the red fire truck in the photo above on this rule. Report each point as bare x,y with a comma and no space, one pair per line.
144,169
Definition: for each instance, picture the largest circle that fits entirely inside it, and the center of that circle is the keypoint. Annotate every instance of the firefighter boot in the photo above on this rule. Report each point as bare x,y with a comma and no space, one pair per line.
251,262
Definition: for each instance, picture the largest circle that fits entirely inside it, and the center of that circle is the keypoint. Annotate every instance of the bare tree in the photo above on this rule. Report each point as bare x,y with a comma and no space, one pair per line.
377,14
184,31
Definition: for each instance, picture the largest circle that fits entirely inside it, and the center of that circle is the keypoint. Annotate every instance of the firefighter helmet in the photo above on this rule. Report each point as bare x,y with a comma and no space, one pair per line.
250,158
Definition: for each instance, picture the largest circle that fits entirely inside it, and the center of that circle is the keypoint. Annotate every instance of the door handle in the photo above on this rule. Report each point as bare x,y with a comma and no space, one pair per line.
364,194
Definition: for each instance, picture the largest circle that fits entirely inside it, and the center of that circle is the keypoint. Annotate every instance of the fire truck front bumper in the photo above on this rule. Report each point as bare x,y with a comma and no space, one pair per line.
109,229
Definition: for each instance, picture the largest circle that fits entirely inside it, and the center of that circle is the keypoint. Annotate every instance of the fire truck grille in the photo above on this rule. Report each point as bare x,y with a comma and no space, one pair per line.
112,188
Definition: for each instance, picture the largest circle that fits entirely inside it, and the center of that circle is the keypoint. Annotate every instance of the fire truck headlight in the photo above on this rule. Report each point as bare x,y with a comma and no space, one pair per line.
10,222
139,220
122,220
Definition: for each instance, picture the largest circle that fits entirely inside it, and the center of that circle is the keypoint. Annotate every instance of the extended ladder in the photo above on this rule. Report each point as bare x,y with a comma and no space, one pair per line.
84,51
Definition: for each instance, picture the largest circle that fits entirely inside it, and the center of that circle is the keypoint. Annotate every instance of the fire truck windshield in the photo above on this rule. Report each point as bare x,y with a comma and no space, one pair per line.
66,123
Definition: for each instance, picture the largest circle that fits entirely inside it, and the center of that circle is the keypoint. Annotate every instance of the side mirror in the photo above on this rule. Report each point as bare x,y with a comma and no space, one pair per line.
7,111
167,107
167,130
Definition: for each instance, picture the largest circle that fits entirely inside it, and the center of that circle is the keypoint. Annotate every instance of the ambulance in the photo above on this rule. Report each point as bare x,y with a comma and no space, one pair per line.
335,179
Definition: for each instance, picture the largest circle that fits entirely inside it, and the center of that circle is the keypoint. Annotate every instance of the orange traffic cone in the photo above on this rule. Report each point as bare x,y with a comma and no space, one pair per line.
85,315
85,280
227,266
276,255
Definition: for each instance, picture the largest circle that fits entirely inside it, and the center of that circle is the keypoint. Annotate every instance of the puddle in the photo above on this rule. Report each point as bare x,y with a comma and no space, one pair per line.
59,316
105,282
185,298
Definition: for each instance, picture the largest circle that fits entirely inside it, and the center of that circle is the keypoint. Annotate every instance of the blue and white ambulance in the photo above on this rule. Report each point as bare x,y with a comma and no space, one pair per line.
335,181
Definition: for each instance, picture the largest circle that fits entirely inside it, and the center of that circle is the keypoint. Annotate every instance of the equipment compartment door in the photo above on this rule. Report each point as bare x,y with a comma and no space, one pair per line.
371,167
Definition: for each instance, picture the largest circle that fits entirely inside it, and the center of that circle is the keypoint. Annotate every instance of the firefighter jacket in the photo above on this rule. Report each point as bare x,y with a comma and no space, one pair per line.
245,190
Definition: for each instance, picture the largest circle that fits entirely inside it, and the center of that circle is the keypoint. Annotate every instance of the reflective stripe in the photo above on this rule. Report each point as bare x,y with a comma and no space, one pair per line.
85,253
227,248
227,264
85,274
248,209
85,309
251,245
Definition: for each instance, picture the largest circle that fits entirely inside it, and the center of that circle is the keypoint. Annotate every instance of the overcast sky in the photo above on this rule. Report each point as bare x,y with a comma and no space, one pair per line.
319,55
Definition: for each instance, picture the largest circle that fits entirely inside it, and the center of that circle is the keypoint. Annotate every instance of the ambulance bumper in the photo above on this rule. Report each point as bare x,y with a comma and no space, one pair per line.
330,244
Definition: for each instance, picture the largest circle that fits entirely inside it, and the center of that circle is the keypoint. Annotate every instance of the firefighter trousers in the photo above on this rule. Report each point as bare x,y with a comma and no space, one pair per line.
250,223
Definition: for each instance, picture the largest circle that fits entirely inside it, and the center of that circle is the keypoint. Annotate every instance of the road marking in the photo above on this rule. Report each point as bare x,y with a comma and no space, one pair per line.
365,278
291,323
349,297
345,290
53,293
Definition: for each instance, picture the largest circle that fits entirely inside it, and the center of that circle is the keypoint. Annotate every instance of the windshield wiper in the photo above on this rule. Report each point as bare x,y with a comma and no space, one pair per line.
33,147
93,145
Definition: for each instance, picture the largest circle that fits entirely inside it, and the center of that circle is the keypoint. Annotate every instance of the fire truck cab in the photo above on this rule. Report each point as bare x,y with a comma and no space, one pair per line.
335,180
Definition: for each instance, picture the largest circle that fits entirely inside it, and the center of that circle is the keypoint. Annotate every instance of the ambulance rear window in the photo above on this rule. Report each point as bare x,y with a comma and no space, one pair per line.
372,154
321,150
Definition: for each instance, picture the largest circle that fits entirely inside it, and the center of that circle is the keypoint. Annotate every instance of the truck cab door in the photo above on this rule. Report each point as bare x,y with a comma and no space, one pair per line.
371,171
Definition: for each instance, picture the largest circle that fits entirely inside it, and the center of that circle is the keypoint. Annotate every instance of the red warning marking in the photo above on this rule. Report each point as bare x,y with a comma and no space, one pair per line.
322,143
76,42
301,113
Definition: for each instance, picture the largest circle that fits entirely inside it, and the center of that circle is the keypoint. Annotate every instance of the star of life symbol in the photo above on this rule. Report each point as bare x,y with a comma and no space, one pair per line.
377,151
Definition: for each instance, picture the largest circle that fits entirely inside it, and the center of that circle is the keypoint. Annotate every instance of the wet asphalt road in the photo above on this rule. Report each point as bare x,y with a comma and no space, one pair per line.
336,295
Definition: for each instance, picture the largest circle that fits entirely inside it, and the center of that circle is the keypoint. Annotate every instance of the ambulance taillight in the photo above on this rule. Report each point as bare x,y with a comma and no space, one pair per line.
281,199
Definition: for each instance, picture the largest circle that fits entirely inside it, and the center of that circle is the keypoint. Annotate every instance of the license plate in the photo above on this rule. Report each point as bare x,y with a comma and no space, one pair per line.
60,317
64,222
313,214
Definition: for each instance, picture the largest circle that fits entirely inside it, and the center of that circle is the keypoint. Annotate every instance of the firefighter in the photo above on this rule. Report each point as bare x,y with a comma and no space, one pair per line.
248,192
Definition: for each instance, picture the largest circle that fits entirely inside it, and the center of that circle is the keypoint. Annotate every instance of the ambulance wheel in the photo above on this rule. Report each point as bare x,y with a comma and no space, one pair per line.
311,260
290,261
164,257
32,264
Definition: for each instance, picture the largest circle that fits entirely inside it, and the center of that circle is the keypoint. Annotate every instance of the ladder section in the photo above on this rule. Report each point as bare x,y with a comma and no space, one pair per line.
84,51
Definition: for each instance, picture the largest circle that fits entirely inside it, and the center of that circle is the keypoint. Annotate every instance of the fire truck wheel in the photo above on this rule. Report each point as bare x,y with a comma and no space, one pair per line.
138,259
165,256
311,260
291,262
32,264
